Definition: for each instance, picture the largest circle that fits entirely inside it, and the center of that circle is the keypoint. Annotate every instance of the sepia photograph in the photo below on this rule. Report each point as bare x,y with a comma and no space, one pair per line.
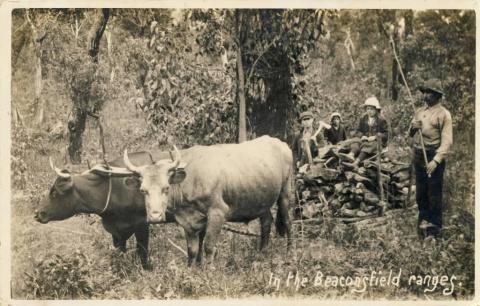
240,153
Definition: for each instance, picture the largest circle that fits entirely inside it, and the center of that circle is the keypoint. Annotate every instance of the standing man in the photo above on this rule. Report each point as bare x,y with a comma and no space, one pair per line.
307,138
435,123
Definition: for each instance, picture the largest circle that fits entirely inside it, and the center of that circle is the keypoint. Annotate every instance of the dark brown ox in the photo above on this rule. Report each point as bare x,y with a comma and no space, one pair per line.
87,193
227,182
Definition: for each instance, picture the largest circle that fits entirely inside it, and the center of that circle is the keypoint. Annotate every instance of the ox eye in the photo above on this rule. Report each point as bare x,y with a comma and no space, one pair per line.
166,189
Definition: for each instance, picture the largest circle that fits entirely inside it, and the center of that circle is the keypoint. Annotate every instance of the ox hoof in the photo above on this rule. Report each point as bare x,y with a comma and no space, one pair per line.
147,266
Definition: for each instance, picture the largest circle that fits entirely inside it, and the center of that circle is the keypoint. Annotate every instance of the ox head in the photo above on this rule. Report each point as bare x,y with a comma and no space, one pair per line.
59,202
155,184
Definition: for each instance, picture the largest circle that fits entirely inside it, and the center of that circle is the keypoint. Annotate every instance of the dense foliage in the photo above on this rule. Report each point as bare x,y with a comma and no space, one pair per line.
184,100
184,64
59,277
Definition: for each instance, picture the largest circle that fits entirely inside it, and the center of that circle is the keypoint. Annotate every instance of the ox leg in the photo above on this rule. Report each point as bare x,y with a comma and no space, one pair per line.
120,243
192,245
282,222
216,219
201,237
142,237
265,227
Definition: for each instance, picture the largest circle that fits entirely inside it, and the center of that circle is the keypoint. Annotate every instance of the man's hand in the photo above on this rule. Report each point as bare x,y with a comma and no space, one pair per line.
325,125
372,138
432,165
416,125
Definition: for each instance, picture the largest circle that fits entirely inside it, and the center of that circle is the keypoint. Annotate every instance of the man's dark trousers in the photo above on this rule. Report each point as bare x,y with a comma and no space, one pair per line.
429,191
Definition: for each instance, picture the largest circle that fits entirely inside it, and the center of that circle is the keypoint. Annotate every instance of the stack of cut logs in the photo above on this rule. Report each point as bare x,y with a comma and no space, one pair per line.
333,187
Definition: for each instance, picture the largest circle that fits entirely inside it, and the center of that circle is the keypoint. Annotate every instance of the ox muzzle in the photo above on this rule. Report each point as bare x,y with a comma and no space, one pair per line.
41,216
156,217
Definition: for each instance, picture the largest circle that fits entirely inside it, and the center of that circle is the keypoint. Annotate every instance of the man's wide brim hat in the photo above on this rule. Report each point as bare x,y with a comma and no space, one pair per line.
432,85
372,101
306,115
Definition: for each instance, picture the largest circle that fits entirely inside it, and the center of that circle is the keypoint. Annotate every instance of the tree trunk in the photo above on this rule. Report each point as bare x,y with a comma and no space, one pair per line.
108,36
78,26
96,32
348,43
38,102
395,72
76,127
274,115
387,25
242,123
77,122
394,79
19,40
407,34
408,23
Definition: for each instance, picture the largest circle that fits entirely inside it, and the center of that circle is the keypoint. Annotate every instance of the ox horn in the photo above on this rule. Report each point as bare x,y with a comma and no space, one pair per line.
129,164
178,158
58,171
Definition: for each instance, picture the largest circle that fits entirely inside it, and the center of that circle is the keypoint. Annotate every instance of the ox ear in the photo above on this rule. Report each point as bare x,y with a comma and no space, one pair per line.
132,182
63,184
177,176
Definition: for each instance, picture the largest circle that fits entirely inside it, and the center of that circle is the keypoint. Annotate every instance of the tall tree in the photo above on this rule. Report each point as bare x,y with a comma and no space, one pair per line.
278,42
388,25
21,32
408,36
242,124
273,46
38,35
271,51
82,86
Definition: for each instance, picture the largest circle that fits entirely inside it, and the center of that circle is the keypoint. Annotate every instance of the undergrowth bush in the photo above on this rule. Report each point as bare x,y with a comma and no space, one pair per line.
61,277
23,143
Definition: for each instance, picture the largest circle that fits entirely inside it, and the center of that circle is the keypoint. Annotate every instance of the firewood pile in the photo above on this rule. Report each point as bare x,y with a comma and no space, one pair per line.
333,187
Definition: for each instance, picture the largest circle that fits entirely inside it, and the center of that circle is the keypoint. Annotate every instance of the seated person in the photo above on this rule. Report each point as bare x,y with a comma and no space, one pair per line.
336,132
371,126
307,138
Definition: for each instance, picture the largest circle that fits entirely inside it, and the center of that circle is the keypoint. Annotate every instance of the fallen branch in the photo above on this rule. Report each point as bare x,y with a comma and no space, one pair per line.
66,229
358,219
177,246
372,218
239,231
313,220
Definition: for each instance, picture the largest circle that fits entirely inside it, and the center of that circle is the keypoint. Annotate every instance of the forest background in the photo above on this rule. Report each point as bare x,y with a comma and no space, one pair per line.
157,77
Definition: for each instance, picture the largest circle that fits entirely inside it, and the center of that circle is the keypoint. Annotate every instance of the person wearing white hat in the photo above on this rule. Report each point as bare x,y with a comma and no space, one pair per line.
336,132
371,128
